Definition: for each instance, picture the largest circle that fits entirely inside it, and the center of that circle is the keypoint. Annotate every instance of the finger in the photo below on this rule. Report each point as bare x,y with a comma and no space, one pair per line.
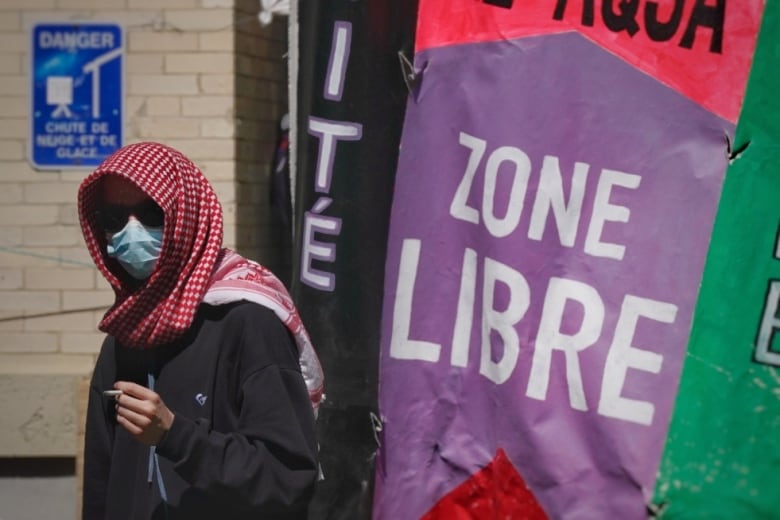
131,428
134,389
141,406
136,405
139,420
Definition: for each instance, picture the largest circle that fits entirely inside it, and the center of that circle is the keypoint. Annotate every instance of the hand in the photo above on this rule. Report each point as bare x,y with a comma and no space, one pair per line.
142,412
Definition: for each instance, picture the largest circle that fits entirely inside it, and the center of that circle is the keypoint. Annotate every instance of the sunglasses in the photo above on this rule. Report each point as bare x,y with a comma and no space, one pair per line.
113,218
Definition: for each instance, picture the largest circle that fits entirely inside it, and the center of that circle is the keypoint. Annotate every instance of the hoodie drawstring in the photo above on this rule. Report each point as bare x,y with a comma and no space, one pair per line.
154,461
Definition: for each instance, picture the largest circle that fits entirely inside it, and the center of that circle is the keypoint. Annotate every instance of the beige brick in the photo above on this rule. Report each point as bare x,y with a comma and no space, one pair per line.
28,215
209,4
38,342
144,63
207,106
81,342
229,235
71,175
199,62
200,19
50,192
162,41
10,236
91,4
68,214
97,317
39,415
28,256
10,193
10,278
10,325
16,106
226,192
218,170
66,263
11,22
30,18
21,171
163,106
52,278
63,321
229,212
135,106
75,256
45,364
216,83
14,86
100,299
27,302
26,5
197,149
10,64
52,236
161,85
11,149
217,128
216,41
165,127
14,128
26,68
133,21
168,4
14,42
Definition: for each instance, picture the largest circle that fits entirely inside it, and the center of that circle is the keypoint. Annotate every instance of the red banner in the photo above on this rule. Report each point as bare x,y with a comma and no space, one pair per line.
697,47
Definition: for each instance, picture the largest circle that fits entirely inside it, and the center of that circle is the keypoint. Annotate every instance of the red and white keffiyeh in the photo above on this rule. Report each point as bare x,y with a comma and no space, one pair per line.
163,308
237,278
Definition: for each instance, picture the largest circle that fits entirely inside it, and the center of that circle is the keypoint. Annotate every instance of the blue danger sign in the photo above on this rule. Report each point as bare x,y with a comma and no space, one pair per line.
77,94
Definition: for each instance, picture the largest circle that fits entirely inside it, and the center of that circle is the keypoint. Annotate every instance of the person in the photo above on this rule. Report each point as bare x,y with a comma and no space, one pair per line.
216,383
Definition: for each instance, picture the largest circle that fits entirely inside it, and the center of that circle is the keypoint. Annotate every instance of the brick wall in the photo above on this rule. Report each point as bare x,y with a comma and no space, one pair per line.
260,102
202,76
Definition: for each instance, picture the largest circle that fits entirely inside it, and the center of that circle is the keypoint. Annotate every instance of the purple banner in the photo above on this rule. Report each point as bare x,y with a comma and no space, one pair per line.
552,212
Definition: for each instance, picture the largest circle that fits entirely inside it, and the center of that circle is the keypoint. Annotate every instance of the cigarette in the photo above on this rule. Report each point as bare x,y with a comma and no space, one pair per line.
112,393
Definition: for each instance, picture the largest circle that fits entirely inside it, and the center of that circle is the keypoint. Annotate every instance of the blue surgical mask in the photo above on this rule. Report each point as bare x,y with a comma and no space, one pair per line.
137,248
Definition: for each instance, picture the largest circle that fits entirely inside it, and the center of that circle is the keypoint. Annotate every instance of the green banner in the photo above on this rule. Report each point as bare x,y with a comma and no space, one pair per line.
723,452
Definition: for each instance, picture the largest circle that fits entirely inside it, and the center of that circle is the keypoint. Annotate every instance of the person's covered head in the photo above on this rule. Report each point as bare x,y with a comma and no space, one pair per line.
153,226
133,225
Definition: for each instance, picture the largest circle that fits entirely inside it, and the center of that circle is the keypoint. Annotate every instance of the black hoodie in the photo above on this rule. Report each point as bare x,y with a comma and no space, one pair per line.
242,444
